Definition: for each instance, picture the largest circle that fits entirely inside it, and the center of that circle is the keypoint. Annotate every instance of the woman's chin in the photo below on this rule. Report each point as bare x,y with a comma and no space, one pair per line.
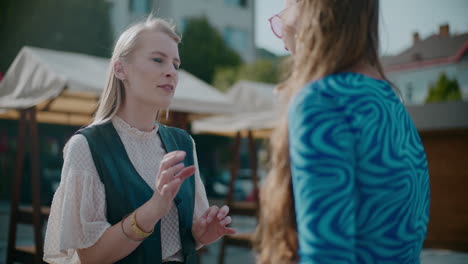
164,104
289,46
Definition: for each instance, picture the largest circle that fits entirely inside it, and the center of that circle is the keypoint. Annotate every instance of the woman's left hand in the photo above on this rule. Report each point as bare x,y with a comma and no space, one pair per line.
212,225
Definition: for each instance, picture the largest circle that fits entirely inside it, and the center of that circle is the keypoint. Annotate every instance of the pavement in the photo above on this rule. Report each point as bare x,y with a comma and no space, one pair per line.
233,255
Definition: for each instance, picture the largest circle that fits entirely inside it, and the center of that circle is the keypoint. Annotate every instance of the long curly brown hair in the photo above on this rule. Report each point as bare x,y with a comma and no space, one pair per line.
332,36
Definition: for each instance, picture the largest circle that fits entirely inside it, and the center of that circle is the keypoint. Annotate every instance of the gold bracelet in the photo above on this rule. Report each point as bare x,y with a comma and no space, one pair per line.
123,231
140,233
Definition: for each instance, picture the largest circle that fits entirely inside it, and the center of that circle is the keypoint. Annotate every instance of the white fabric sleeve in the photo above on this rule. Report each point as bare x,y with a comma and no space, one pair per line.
78,212
201,201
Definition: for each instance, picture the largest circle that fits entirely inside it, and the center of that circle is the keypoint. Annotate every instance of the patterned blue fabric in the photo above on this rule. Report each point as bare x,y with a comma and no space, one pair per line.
360,174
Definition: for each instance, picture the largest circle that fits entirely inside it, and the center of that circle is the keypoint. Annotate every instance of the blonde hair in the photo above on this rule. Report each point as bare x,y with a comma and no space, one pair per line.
326,34
113,93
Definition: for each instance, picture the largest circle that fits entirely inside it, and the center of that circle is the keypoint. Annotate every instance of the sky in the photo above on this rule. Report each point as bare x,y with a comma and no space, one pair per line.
399,19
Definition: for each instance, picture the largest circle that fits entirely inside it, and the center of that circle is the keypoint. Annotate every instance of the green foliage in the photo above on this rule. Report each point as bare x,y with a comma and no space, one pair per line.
263,70
266,54
70,25
444,89
225,78
203,50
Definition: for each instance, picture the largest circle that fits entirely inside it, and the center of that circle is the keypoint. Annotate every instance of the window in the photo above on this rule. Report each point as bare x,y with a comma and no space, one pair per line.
140,6
409,93
182,25
239,3
237,39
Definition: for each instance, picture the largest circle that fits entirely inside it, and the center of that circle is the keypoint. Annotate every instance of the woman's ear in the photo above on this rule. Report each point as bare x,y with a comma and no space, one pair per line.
119,70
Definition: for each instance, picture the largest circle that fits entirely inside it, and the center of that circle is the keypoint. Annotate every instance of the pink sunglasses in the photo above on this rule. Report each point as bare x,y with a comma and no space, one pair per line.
276,25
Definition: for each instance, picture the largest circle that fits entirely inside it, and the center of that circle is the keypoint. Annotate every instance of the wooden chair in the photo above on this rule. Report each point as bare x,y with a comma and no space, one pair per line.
34,214
202,251
241,208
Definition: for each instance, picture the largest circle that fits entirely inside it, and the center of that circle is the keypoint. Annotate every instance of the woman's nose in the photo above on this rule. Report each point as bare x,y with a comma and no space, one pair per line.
171,71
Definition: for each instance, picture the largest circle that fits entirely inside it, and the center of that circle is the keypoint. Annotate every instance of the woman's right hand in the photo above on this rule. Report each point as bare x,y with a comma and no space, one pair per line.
171,175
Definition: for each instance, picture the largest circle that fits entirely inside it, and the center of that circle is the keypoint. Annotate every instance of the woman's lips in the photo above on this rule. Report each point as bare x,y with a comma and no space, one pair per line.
167,87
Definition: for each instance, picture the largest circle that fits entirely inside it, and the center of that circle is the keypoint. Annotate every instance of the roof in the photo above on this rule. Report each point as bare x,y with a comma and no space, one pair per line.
257,112
434,50
261,123
252,96
440,116
428,117
70,83
261,118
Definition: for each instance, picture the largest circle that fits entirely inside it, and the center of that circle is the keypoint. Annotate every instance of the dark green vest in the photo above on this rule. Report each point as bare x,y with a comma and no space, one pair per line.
126,190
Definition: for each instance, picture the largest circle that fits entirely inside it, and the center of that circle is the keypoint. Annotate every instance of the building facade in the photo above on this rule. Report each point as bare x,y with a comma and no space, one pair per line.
414,70
234,19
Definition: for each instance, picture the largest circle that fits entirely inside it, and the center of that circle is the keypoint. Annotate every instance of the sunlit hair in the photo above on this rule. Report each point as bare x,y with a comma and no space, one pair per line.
113,93
332,36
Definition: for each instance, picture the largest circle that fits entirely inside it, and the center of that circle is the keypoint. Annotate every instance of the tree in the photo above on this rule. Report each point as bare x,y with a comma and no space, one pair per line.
70,25
444,89
203,50
225,77
266,54
261,71
264,70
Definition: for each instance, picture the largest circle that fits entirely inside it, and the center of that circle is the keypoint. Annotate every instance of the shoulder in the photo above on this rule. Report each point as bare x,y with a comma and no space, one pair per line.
325,91
77,154
175,130
94,129
177,133
321,96
319,115
345,92
77,143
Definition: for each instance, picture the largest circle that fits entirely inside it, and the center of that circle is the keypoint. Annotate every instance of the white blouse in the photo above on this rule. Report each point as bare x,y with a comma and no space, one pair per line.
78,212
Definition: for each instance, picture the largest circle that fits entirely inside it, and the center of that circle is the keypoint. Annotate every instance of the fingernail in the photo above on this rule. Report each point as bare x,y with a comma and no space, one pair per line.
181,154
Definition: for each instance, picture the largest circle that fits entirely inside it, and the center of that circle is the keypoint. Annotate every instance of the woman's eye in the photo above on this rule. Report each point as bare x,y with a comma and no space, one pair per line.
176,66
158,60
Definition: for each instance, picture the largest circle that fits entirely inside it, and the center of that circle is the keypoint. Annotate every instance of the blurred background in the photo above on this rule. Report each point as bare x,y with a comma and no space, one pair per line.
231,62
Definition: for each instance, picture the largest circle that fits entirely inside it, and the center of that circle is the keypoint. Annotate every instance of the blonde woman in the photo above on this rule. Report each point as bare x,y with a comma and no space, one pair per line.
349,180
126,193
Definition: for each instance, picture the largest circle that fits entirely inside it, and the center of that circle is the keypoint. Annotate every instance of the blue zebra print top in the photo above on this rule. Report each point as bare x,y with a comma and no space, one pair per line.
359,171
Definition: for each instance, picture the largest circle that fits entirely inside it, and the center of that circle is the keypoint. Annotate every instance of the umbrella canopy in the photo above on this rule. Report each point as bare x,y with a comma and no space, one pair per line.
66,86
256,104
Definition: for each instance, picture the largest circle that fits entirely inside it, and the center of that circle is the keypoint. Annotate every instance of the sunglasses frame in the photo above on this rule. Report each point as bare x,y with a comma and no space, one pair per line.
279,34
276,16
